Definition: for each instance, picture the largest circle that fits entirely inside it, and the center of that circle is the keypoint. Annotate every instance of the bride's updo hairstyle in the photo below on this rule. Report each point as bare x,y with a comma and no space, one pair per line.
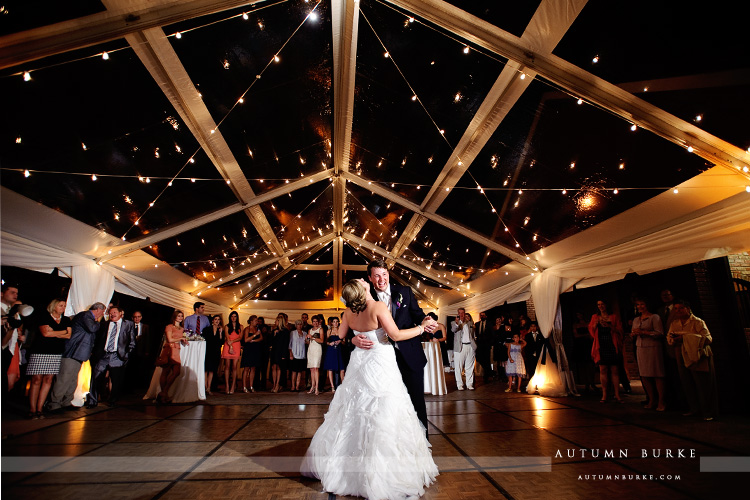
354,296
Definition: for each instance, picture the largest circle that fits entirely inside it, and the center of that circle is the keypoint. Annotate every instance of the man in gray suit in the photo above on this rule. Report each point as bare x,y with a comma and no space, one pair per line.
115,342
77,350
464,349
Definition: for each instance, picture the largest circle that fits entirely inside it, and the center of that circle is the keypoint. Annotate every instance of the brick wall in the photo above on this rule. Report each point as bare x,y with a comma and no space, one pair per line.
530,311
739,265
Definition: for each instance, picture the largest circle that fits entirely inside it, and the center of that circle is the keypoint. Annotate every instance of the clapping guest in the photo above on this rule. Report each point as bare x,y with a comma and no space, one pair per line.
606,350
214,336
231,352
315,338
279,351
46,352
298,355
251,356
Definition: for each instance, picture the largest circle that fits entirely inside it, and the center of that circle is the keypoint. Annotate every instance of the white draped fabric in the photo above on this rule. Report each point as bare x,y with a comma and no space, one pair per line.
517,291
434,372
90,284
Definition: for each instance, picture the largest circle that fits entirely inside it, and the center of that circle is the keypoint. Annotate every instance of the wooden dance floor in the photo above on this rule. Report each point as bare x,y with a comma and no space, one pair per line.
487,444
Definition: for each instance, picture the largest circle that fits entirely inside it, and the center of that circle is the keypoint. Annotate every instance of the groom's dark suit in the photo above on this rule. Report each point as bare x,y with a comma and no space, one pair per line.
409,353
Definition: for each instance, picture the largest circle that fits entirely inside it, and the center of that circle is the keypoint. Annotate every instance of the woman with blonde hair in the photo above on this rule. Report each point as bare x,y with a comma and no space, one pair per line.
46,352
371,443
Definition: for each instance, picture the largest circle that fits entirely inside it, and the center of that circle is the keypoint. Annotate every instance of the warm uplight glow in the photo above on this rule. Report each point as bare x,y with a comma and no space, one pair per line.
587,201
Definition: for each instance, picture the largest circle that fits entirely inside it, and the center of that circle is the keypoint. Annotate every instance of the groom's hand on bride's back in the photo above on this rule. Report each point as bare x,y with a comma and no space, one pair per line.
362,341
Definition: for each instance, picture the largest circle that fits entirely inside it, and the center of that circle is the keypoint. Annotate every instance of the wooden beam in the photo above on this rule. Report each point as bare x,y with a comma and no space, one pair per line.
121,19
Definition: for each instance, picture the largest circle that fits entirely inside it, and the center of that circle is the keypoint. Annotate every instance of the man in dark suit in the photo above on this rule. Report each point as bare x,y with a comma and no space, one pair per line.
534,344
483,333
77,350
141,360
114,343
406,313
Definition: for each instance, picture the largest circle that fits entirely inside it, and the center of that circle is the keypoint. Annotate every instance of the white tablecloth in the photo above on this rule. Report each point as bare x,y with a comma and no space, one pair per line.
191,384
434,373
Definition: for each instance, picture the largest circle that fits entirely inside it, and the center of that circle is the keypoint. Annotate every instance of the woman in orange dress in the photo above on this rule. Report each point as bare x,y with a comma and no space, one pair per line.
170,367
232,350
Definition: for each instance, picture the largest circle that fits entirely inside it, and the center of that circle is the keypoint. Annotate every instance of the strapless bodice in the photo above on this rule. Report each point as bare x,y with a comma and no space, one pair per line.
377,335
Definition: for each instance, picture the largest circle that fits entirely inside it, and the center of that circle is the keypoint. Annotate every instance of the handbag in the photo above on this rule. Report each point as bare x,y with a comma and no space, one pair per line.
164,355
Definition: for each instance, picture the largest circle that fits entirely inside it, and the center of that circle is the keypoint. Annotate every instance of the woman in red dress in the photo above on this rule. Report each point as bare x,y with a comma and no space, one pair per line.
232,350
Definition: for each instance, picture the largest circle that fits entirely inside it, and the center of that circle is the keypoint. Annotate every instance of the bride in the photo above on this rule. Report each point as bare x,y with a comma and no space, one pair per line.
371,443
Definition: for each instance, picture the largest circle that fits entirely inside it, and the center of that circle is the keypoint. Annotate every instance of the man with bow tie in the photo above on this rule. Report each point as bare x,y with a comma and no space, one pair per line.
114,343
406,313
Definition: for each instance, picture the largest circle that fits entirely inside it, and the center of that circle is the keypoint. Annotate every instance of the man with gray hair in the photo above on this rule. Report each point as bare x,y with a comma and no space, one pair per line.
77,350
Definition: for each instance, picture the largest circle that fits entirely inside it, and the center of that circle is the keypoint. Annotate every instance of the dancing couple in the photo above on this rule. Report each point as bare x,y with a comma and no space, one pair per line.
373,442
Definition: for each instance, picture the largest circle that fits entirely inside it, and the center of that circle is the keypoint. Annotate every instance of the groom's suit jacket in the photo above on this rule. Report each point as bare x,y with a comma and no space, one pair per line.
406,314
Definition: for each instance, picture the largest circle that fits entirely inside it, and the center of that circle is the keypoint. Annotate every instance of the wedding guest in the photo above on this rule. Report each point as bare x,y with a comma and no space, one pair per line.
315,338
649,343
46,353
279,352
582,343
606,349
13,336
499,348
78,347
695,361
515,368
464,347
334,361
169,359
214,336
231,351
298,355
251,356
197,321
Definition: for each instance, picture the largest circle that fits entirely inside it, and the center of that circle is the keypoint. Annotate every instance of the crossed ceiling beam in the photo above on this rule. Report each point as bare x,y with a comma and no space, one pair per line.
386,193
543,31
161,61
176,229
579,82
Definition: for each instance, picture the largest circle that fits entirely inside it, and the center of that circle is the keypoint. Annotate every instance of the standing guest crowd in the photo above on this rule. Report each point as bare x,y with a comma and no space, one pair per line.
672,350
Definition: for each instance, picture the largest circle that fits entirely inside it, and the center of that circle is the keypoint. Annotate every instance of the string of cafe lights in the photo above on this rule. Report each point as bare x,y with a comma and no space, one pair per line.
311,15
394,234
441,131
105,55
522,75
263,249
595,60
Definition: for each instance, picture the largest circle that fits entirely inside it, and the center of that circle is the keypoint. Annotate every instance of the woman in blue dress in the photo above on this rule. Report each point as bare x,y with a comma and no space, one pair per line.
334,361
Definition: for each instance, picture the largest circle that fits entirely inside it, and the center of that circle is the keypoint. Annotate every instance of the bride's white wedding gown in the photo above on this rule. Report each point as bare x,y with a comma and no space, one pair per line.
371,443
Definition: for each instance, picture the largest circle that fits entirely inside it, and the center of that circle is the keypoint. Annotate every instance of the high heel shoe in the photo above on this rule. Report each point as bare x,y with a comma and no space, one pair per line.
251,389
244,389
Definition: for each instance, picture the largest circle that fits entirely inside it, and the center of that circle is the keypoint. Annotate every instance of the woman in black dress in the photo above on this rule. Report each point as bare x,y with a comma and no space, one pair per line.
606,329
279,352
582,343
214,335
250,352
46,352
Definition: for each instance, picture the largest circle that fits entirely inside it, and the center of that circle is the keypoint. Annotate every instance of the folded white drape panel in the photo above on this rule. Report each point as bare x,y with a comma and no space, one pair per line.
90,284
517,291
162,294
21,252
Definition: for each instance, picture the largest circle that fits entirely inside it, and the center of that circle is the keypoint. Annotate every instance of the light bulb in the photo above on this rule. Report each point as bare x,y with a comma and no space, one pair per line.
245,16
633,127
580,101
595,59
93,177
466,49
178,35
26,76
105,56
26,173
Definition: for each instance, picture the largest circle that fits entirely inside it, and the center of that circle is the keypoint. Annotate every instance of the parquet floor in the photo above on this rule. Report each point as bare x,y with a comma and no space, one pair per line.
487,444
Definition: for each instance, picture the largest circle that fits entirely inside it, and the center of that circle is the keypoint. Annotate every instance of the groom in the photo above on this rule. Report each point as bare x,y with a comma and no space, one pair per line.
406,313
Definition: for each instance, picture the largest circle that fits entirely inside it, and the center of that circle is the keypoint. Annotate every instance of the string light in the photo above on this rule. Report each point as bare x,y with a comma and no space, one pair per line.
26,76
105,56
178,35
